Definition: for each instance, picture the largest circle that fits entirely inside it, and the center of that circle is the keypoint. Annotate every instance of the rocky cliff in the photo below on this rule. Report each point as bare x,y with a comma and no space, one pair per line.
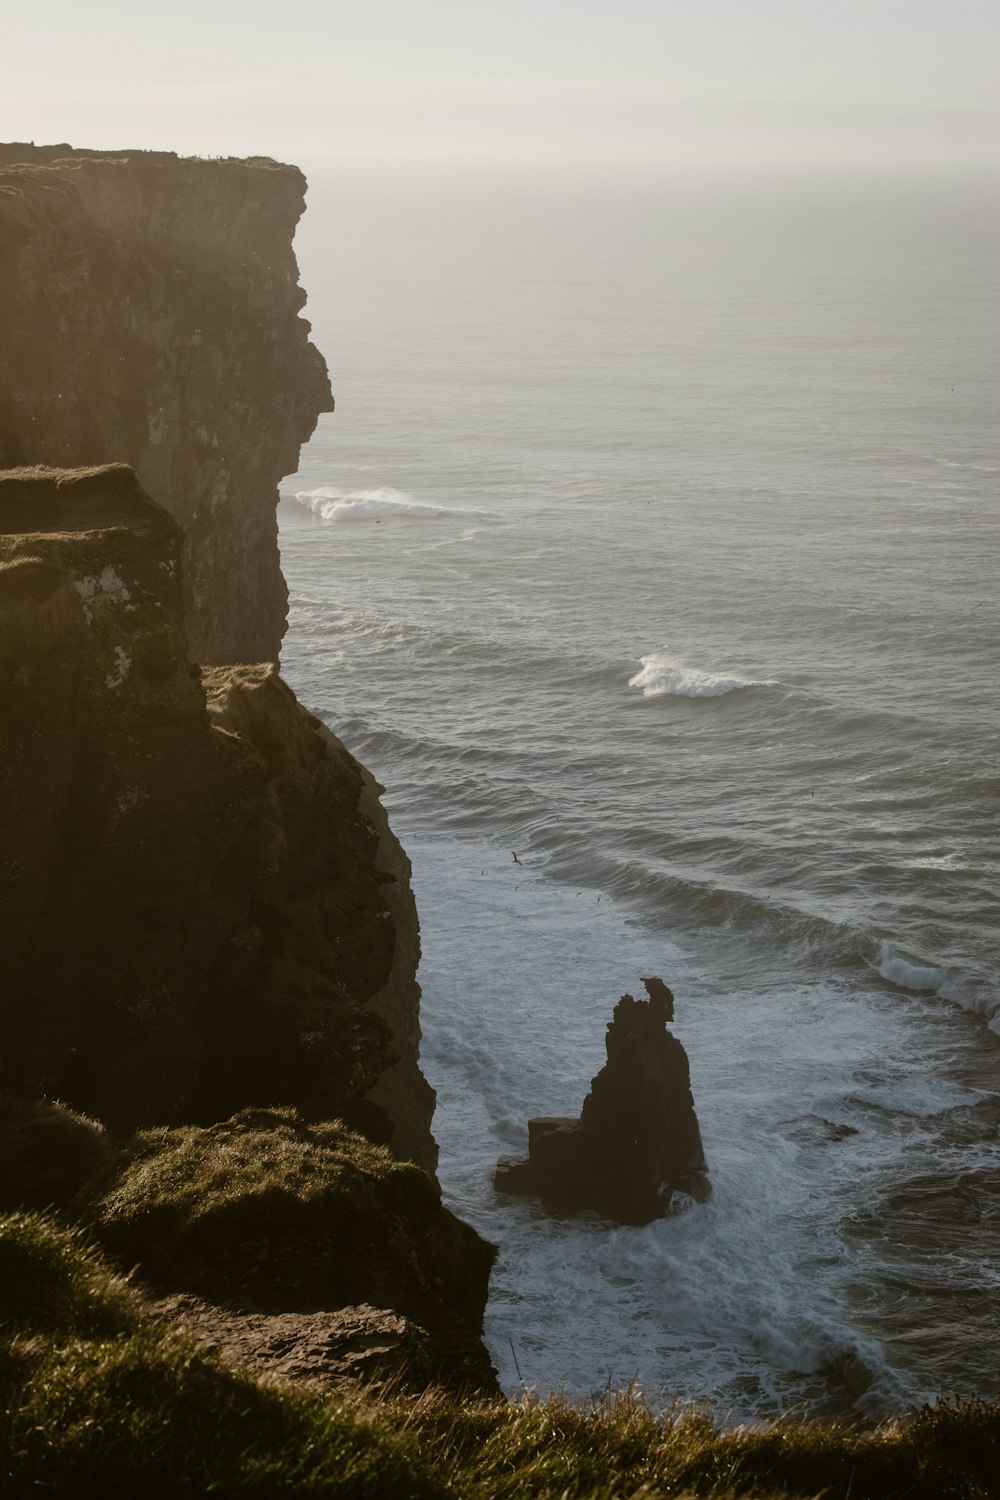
208,934
149,308
202,907
207,929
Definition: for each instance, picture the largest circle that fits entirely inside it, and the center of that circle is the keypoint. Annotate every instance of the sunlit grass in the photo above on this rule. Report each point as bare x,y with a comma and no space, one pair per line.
100,1398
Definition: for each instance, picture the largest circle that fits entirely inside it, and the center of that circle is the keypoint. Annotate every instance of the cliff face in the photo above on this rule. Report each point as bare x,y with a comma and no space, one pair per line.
207,928
150,313
206,925
201,906
149,307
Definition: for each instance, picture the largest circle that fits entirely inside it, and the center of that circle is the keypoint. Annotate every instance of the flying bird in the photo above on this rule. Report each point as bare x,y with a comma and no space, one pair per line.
516,860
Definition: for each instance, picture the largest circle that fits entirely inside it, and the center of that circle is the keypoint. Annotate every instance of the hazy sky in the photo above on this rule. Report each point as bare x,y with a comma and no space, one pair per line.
704,81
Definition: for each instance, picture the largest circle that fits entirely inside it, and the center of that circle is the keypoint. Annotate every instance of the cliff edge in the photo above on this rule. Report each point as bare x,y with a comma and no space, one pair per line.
150,313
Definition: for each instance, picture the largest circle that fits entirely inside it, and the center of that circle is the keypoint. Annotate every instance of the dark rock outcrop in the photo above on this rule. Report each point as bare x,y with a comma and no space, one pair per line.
265,1215
816,1130
201,906
207,930
150,313
637,1140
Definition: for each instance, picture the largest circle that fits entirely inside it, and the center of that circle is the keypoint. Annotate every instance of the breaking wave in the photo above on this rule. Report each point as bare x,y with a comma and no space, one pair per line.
969,990
382,504
660,673
908,973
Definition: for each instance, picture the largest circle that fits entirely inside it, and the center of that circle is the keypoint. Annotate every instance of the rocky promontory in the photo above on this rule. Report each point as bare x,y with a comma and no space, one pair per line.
209,1026
150,313
208,939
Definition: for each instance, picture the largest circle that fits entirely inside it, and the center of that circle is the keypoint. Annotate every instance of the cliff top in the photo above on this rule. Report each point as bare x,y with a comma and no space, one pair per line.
26,153
39,499
154,189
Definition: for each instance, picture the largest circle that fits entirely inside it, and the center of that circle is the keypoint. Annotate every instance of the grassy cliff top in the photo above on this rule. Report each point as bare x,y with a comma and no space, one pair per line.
102,1398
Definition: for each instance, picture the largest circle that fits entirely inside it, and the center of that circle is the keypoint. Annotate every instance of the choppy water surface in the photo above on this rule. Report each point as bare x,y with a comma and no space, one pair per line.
655,538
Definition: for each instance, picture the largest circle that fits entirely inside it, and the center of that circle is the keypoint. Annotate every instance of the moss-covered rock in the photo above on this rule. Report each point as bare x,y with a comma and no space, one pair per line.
268,1211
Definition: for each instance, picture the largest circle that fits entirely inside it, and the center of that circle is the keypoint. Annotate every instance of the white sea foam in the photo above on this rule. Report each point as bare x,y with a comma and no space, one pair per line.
382,504
728,1298
660,673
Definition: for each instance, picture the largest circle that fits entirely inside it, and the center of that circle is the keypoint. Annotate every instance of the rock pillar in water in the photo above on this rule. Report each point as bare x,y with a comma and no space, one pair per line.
637,1140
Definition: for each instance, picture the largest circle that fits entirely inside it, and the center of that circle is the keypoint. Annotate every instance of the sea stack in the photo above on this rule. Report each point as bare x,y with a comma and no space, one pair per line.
637,1142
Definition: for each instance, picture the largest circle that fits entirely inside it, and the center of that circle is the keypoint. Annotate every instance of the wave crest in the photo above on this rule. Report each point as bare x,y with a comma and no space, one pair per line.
972,991
907,973
660,673
384,503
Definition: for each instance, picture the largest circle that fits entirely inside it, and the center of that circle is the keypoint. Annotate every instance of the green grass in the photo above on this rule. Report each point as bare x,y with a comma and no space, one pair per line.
149,1416
49,1154
99,1398
268,1206
191,1173
54,1282
622,1447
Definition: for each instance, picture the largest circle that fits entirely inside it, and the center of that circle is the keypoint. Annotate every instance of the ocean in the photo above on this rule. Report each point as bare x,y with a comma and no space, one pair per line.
654,540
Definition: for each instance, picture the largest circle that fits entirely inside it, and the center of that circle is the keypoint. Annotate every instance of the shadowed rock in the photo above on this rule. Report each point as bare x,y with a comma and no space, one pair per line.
201,904
276,1224
637,1140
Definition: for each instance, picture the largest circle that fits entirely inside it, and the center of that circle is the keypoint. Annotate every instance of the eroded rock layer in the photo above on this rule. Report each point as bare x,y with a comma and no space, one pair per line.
149,305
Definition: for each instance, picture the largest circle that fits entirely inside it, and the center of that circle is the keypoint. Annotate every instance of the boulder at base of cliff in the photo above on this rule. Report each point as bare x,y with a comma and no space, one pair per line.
637,1142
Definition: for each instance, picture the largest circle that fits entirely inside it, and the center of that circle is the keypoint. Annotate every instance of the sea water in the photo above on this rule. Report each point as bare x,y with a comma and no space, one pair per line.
654,541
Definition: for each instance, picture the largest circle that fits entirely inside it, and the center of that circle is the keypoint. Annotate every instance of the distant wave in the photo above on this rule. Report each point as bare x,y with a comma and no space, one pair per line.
382,504
660,673
962,988
954,463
